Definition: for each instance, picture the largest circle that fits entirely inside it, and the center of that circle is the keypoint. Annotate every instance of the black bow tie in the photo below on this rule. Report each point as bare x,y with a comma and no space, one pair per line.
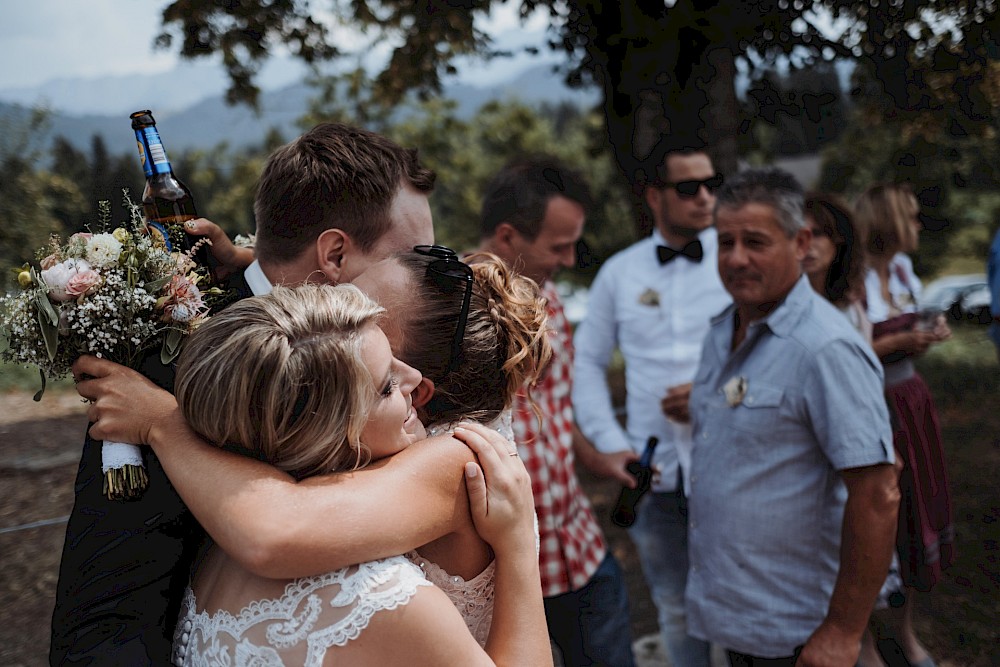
692,251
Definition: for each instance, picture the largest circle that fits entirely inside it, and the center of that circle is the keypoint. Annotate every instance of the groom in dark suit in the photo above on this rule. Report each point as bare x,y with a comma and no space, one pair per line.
328,205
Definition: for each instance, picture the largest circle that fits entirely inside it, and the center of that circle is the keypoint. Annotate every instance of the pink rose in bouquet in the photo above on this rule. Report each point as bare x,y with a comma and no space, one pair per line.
82,283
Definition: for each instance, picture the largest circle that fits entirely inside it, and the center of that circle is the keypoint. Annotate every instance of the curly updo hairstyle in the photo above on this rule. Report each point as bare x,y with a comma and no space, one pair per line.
505,345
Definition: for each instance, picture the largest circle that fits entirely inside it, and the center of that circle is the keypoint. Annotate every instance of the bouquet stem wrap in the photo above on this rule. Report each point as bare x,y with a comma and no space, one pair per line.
125,475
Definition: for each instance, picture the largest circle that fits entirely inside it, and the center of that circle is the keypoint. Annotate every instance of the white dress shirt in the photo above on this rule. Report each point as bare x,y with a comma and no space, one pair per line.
657,316
256,280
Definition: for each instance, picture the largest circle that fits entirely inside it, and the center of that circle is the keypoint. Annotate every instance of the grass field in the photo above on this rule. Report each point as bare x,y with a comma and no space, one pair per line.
960,618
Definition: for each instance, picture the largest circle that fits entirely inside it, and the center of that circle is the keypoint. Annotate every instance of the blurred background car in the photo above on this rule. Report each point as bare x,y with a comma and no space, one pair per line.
975,305
963,297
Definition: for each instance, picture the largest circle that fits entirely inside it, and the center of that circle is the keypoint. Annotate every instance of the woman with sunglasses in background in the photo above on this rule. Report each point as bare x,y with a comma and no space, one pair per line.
479,332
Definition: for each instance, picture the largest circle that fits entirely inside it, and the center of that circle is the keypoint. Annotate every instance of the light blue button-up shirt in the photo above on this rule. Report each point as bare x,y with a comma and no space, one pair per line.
766,499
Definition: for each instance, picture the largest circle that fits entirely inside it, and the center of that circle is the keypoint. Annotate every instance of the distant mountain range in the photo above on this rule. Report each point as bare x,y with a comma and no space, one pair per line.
190,117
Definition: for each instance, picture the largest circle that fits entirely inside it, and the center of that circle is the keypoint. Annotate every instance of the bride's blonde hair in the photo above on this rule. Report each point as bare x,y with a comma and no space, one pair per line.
282,376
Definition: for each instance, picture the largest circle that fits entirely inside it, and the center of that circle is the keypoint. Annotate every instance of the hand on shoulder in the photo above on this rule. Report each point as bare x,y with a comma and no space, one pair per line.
499,489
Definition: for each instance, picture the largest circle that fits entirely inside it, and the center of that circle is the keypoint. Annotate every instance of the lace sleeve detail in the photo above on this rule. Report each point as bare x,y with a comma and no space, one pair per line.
314,614
504,425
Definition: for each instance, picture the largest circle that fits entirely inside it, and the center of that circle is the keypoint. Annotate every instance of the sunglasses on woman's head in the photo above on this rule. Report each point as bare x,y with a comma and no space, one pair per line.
691,188
447,266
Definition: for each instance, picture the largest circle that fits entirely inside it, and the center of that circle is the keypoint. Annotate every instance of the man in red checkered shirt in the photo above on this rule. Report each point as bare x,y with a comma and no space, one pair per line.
532,217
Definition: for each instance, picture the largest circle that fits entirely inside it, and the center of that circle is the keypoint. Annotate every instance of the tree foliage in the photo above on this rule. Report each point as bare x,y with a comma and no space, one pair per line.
33,203
954,174
792,115
663,67
36,201
925,96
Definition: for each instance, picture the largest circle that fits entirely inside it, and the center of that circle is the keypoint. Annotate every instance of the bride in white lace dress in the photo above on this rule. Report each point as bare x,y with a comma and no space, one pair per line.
268,353
476,354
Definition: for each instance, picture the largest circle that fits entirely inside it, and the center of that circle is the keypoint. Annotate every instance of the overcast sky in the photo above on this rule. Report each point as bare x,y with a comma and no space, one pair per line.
41,40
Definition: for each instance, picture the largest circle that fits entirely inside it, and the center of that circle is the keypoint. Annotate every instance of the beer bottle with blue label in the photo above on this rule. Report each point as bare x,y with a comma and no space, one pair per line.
166,201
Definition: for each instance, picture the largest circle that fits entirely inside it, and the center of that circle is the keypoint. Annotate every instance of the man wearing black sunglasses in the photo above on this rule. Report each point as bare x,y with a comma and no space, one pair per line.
653,301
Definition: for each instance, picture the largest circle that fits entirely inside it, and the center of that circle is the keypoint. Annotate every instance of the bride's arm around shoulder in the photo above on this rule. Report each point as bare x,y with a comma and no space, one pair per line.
428,630
271,524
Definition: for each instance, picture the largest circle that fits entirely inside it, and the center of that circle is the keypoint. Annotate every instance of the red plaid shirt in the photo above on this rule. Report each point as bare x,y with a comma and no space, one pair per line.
572,546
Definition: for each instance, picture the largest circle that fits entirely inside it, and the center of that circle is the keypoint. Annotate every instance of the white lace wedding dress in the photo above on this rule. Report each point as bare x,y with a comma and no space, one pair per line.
315,614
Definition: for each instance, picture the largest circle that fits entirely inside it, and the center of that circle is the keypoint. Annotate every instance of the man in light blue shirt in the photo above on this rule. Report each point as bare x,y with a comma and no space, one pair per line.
653,302
793,495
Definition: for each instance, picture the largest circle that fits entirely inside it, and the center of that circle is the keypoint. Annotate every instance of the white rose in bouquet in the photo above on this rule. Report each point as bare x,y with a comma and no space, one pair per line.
58,276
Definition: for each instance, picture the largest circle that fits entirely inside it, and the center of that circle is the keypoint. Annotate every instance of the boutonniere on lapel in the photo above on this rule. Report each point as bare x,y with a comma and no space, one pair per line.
650,297
735,390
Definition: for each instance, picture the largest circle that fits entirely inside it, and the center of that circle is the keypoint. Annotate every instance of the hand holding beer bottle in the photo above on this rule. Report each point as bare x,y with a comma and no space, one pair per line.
166,202
624,512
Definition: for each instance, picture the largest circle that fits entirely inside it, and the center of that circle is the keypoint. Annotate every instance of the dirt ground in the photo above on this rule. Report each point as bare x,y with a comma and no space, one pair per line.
39,452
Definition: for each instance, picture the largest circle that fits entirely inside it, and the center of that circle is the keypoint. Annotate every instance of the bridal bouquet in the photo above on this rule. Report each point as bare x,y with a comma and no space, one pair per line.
115,294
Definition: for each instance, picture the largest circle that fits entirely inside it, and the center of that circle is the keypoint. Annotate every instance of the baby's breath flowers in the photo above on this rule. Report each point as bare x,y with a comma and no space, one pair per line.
119,295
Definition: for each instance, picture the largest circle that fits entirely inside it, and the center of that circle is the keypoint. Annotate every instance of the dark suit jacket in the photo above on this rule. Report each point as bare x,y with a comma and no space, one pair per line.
125,564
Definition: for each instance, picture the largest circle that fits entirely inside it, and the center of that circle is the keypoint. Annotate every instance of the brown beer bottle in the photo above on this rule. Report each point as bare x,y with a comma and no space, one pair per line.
166,201
624,512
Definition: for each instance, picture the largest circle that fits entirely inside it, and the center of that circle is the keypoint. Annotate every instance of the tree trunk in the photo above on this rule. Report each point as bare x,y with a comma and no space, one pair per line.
721,115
